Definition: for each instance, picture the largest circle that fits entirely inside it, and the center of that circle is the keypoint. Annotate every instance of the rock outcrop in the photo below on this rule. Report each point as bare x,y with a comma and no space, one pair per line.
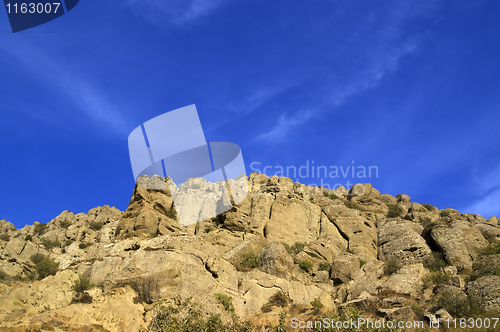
344,248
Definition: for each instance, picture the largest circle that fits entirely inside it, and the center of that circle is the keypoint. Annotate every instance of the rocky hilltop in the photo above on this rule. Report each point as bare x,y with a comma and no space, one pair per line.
286,248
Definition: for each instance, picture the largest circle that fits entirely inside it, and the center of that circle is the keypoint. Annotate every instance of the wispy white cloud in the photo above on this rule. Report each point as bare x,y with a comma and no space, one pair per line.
487,190
284,126
488,206
48,70
179,12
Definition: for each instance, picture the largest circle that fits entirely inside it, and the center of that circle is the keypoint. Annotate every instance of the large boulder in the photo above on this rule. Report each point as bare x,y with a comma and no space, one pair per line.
460,241
345,267
487,290
401,240
407,280
275,260
150,211
360,231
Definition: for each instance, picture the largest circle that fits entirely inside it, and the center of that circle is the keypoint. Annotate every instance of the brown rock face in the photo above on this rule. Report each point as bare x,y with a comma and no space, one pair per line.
310,244
150,211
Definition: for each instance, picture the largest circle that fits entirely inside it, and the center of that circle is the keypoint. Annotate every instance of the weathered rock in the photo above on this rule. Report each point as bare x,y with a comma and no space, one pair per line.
300,219
150,210
345,267
459,240
401,240
487,290
275,260
407,280
358,230
369,280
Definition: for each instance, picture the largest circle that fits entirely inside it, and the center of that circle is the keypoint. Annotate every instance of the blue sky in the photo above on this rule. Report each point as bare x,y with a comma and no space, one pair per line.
411,87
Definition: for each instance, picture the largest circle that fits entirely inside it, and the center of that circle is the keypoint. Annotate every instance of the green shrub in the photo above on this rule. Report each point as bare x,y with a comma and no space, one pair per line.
50,244
481,269
84,245
436,262
96,225
226,301
459,308
436,277
445,213
3,275
491,249
287,247
361,263
81,284
323,266
352,205
28,238
425,220
408,217
279,299
429,207
67,243
393,212
249,261
306,266
297,247
331,196
189,319
5,237
40,228
64,224
46,267
172,214
316,303
351,251
37,258
391,266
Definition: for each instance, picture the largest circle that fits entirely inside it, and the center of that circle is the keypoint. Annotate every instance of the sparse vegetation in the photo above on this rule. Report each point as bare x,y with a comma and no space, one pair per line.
279,299
361,263
467,307
40,228
317,305
331,196
3,275
393,212
295,248
249,261
492,249
28,238
226,301
84,245
47,266
67,243
37,258
436,277
445,213
391,266
96,225
353,205
187,318
5,237
436,262
172,214
64,224
209,228
323,266
429,207
81,284
482,268
408,217
306,266
49,245
425,221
